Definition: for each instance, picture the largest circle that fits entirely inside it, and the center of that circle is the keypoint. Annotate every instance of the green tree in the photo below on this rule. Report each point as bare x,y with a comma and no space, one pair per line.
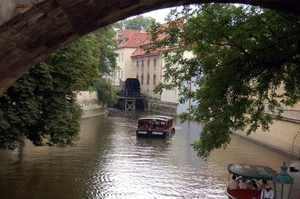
106,93
137,23
242,54
108,61
41,106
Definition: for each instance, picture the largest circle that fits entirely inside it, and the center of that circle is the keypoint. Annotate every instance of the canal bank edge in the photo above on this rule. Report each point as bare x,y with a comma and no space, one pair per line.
161,107
283,136
89,103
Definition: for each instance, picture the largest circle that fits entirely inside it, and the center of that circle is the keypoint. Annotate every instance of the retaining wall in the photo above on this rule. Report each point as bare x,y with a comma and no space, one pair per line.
160,107
89,103
284,136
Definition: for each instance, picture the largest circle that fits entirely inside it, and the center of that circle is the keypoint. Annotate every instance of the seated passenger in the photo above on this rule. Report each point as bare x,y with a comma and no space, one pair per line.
252,185
267,191
243,183
161,126
233,184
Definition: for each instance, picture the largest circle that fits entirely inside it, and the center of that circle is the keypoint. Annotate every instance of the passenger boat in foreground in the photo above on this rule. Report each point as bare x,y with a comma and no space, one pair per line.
250,172
155,126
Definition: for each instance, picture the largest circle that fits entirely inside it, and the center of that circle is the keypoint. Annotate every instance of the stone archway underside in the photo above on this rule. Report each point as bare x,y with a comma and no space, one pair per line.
30,30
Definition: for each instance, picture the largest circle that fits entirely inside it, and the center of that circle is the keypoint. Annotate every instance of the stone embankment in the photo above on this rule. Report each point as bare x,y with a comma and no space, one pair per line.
89,103
283,135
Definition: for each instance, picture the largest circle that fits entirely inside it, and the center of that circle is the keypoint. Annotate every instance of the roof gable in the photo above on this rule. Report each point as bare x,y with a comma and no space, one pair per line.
130,38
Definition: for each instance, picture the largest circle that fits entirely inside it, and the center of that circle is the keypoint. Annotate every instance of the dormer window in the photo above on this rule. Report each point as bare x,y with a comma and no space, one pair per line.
137,41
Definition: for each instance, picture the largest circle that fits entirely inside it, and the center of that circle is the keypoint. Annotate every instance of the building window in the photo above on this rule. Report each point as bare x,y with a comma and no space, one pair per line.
122,56
118,74
142,79
154,64
148,79
142,65
121,74
118,57
148,65
154,79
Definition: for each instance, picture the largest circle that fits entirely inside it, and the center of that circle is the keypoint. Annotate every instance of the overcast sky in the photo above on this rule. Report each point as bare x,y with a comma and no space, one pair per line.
159,15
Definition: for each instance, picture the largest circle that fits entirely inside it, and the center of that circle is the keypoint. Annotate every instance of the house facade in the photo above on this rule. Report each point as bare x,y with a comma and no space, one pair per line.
128,41
149,69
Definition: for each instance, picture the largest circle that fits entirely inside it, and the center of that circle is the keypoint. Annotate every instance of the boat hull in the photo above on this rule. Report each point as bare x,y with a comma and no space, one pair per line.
154,133
243,194
155,126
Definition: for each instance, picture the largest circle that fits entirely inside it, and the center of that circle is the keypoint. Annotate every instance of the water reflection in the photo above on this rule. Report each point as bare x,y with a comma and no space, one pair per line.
110,162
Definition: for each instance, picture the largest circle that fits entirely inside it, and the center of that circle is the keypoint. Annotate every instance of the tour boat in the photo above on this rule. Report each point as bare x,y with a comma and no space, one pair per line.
250,172
155,126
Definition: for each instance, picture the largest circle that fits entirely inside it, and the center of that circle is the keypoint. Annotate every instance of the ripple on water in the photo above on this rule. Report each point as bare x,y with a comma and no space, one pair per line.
109,162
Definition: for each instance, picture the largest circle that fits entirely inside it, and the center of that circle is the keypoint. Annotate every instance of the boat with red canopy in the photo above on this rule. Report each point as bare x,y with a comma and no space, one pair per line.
155,126
249,172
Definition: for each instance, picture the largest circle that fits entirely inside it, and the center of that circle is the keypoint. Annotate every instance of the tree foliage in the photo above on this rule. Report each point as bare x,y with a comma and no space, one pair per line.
242,54
106,92
137,23
108,61
107,65
41,106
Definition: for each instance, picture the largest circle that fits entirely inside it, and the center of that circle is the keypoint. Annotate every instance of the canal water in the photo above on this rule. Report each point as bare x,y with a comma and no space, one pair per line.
110,162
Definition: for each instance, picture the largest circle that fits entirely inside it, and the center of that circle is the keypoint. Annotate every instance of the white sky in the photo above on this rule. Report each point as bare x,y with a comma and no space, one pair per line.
159,15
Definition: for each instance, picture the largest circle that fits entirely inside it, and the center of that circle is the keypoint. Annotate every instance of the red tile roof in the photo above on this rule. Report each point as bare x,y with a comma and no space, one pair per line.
130,38
139,50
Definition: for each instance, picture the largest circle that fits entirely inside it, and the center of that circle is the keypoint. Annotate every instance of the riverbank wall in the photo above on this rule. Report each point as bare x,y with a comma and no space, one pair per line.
161,107
283,136
89,103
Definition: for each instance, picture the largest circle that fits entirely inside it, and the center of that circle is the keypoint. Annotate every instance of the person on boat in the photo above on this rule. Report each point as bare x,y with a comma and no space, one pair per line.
253,185
243,184
267,191
233,184
154,123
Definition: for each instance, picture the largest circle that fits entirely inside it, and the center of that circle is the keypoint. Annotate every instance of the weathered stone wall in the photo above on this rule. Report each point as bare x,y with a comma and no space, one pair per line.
282,137
166,108
89,103
292,115
87,99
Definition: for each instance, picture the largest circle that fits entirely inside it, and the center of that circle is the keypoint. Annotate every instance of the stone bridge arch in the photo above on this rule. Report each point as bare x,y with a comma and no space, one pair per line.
30,30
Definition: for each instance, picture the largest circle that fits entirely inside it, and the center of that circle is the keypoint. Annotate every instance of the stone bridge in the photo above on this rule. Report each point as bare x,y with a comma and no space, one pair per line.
30,30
